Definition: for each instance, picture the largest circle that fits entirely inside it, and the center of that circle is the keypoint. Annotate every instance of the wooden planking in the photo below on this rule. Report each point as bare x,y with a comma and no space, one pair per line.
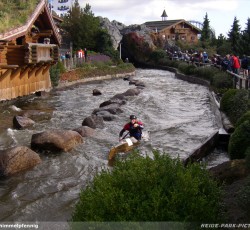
23,81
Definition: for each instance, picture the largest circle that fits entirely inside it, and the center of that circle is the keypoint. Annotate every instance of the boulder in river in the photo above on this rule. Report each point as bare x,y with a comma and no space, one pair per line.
85,131
56,140
17,159
96,92
93,122
20,122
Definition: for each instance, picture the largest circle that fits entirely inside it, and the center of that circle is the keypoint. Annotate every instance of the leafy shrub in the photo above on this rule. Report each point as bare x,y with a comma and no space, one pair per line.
235,103
239,141
157,55
243,118
186,68
55,72
145,189
221,80
244,197
206,72
248,157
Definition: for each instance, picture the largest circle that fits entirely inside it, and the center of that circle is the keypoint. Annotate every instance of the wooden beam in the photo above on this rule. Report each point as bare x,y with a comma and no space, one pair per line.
8,66
6,73
32,71
46,69
15,73
39,70
24,71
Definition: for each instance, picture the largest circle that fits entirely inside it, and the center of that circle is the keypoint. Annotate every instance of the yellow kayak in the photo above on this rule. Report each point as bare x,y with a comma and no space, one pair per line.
123,147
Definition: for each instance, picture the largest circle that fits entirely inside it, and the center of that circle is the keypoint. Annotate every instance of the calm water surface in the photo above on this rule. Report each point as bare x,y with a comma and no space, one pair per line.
179,115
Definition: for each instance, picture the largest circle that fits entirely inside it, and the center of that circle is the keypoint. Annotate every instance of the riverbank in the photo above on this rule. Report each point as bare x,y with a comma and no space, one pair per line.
64,83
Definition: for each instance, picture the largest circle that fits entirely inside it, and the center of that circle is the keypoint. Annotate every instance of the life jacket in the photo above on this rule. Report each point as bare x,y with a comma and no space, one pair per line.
135,132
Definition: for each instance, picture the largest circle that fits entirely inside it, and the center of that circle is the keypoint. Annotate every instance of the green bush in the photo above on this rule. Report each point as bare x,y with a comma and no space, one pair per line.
239,141
235,103
157,55
186,69
244,197
243,118
248,157
145,189
206,72
55,72
221,80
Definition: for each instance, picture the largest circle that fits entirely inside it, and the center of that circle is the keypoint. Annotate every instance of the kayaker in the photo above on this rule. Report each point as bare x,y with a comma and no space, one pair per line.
134,127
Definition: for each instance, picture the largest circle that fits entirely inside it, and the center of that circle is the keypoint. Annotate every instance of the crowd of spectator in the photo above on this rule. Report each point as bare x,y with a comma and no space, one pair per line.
230,62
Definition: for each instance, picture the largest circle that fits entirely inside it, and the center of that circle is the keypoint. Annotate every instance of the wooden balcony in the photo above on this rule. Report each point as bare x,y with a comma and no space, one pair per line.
181,30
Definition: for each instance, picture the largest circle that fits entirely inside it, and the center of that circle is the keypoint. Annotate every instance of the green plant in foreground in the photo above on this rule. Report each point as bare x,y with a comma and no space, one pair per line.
234,103
243,196
145,189
239,141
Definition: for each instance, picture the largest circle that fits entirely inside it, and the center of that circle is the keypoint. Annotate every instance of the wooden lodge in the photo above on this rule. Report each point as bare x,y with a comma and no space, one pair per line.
172,30
27,53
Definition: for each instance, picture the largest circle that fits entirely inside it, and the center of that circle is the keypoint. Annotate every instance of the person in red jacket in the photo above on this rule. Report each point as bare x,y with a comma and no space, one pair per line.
235,64
134,127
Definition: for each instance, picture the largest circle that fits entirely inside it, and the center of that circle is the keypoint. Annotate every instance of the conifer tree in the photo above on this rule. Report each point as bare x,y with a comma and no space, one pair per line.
81,26
206,31
234,36
221,39
245,41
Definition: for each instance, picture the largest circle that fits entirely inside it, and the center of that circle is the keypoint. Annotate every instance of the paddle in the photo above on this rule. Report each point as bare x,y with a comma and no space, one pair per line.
124,136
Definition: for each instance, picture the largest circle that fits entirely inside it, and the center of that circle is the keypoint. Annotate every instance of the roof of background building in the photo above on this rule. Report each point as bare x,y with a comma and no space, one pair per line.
160,25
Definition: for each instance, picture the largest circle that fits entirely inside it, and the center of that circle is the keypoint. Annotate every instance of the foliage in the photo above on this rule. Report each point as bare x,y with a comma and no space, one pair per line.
234,36
206,30
157,55
245,40
135,48
55,72
244,117
81,26
167,62
224,49
206,72
101,69
186,68
221,80
14,13
247,153
243,196
239,141
145,189
235,103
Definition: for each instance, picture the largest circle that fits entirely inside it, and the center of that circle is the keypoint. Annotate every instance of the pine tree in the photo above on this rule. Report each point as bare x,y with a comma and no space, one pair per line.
81,26
234,36
245,41
221,39
206,31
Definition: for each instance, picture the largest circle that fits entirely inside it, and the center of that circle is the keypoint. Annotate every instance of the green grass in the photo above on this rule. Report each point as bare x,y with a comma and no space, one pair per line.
14,13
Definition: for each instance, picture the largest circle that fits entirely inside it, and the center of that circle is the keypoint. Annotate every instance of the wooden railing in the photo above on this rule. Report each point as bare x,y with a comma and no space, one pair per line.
240,82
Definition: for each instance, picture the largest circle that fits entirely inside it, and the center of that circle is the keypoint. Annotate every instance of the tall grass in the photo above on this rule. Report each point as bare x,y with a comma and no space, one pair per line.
14,13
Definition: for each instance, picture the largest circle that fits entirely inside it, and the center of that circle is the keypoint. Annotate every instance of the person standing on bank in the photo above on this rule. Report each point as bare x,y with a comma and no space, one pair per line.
85,54
134,127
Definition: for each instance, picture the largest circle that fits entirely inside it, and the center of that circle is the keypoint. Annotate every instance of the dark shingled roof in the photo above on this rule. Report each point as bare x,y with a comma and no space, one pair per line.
160,25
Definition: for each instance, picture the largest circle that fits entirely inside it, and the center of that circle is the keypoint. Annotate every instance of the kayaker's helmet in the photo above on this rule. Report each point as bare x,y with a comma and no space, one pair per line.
132,117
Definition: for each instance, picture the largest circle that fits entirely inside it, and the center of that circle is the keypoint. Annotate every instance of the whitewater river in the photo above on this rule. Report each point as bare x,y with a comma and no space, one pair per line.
179,115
